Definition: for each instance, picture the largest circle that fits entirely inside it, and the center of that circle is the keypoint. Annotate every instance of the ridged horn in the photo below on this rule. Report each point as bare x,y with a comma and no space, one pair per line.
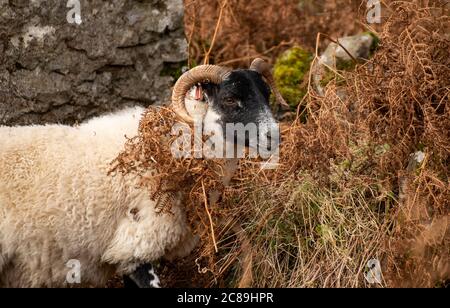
212,73
262,67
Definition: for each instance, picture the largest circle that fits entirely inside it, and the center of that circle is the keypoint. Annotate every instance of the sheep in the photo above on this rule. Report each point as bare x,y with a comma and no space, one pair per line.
58,203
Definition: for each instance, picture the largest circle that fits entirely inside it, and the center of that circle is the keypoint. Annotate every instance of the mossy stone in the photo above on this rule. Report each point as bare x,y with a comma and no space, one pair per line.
289,72
375,42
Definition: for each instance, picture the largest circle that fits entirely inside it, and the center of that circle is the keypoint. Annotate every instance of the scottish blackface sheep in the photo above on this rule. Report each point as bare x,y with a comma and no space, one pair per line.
58,203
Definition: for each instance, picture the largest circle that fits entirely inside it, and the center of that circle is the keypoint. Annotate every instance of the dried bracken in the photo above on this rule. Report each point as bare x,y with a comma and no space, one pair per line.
262,28
343,193
150,155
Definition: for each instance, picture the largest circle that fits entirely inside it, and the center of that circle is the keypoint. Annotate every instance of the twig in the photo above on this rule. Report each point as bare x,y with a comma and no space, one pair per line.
247,260
282,44
210,218
337,42
206,61
191,35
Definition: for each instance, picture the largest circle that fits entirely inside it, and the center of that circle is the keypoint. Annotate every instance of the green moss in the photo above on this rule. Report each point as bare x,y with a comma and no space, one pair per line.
325,233
341,65
328,76
173,69
375,43
345,65
289,72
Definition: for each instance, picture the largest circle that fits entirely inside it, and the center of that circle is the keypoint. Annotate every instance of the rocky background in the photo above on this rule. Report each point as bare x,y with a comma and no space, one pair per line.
55,69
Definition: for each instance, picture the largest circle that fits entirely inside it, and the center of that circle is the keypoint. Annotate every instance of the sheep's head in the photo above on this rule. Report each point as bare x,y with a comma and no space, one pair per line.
221,99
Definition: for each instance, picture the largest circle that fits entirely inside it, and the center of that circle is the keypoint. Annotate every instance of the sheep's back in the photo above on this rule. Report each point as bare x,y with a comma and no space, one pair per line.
58,203
56,198
53,178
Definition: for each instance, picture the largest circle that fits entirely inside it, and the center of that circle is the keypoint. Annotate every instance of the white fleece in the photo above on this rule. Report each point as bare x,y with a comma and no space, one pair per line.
57,203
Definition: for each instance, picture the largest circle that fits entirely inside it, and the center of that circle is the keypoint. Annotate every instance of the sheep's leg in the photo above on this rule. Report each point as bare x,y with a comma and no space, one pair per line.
143,277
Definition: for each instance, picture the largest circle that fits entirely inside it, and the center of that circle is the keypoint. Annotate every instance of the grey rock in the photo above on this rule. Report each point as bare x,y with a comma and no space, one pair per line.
358,46
54,71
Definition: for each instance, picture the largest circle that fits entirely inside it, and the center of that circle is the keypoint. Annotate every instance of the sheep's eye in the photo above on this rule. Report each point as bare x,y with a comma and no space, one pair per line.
230,102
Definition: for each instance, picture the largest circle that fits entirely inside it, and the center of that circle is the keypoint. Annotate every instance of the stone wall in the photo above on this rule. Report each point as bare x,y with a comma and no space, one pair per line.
53,69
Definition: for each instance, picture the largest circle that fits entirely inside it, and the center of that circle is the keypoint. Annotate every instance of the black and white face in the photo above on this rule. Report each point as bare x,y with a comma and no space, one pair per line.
241,100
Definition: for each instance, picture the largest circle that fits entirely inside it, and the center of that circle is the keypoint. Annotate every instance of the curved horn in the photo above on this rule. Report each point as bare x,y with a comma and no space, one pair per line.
213,73
262,67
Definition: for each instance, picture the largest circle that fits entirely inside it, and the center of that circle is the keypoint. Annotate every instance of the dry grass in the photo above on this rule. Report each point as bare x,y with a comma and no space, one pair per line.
263,28
344,193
